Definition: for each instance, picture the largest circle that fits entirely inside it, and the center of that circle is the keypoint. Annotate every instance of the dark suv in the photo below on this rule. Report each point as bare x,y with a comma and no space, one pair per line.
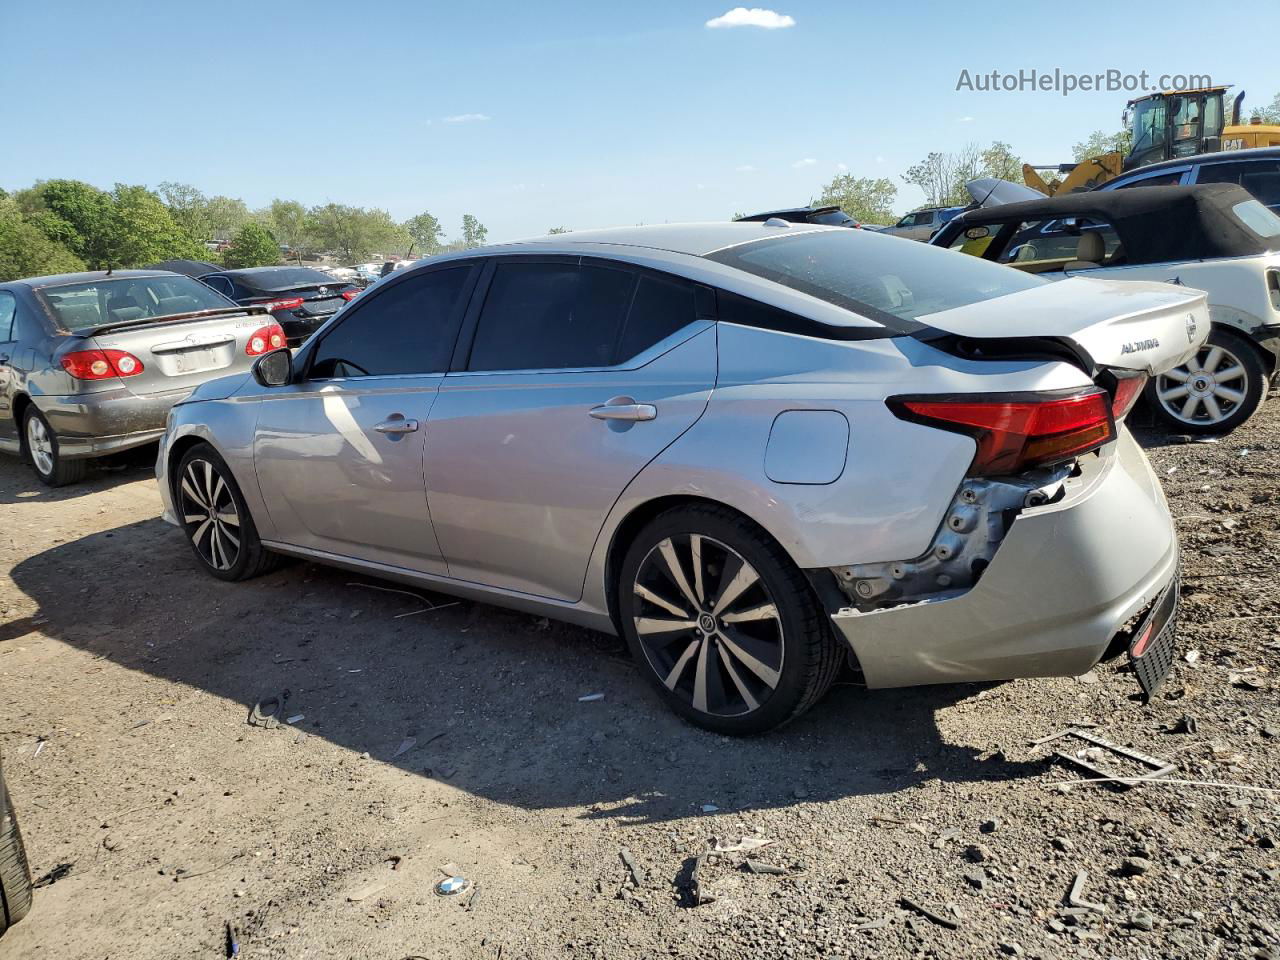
1257,170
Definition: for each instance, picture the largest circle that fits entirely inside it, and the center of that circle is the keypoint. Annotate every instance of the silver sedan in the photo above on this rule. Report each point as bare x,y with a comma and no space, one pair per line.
757,451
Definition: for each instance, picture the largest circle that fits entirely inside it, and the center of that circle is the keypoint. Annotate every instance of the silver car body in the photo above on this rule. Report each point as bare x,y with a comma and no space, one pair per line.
96,417
512,494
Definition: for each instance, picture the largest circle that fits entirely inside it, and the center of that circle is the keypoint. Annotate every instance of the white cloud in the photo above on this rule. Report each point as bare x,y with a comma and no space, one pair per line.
879,158
842,167
755,17
964,119
806,162
745,168
467,118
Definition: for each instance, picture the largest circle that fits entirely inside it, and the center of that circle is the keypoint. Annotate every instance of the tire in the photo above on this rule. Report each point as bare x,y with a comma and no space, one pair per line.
224,539
740,667
15,874
1218,403
40,444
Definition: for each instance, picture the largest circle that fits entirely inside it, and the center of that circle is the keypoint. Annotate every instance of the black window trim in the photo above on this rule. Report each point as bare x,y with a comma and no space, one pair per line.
705,306
13,318
303,363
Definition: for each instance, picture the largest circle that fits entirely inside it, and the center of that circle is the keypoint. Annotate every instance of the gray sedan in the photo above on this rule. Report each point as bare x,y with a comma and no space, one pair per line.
90,363
757,451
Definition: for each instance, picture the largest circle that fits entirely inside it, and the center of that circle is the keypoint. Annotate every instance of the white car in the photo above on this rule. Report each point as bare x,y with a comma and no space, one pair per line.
1216,237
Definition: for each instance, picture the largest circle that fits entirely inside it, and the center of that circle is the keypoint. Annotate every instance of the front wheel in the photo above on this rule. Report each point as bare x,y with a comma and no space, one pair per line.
216,520
723,623
15,876
1216,390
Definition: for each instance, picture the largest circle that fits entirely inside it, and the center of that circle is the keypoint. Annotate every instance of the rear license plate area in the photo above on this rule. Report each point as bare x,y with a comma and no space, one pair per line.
195,361
1152,648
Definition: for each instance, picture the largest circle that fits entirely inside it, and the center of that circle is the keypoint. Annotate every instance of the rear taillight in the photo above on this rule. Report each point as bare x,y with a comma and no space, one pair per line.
288,303
1128,390
101,364
270,337
1018,431
350,295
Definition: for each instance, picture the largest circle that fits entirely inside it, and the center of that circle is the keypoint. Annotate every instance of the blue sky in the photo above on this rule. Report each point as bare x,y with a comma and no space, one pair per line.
532,115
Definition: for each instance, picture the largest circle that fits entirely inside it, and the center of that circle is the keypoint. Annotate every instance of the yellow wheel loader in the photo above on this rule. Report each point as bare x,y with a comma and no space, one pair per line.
1162,126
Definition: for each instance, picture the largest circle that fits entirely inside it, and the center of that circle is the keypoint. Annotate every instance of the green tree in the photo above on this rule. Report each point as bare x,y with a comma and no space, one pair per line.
998,161
1100,142
252,246
145,232
473,232
555,230
188,207
226,215
425,231
75,215
287,221
354,233
25,250
1269,113
864,199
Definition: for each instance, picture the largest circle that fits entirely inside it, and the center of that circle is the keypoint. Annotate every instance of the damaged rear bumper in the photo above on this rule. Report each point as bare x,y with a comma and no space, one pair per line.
1063,582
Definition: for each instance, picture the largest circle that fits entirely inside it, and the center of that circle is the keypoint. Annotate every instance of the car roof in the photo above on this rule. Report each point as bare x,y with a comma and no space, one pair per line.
58,279
693,239
1218,156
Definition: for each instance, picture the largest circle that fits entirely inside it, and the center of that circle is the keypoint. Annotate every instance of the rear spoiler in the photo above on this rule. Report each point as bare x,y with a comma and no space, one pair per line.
165,320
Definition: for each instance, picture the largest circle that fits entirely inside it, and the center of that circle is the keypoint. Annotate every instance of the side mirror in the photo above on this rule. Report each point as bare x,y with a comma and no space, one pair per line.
274,369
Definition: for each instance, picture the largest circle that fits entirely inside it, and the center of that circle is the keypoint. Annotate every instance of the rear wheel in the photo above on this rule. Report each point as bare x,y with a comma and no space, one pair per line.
213,513
43,450
1214,392
15,875
722,622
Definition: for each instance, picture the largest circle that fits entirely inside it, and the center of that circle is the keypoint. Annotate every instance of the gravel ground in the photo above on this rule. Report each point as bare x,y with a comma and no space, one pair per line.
455,740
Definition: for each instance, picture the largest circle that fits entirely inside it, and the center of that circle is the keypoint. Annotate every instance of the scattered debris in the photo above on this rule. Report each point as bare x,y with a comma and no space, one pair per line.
1141,920
53,876
976,878
407,744
977,853
1090,759
879,924
184,875
233,940
591,698
364,893
759,866
633,868
452,886
266,712
39,746
1185,724
1075,895
945,837
696,894
710,808
1191,656
744,845
296,718
1134,866
930,915
989,826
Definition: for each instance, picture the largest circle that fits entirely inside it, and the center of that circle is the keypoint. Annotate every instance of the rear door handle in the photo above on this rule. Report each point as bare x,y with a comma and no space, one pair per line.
396,425
627,410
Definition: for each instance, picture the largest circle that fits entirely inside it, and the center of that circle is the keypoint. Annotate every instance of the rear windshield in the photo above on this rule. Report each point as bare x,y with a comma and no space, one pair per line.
79,306
882,278
283,279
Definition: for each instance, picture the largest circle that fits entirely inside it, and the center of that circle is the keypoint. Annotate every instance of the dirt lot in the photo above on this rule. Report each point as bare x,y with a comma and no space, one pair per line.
154,813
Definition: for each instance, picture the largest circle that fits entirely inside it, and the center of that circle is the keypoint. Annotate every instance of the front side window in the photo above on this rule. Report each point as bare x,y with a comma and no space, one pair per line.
874,276
407,328
79,306
543,316
8,307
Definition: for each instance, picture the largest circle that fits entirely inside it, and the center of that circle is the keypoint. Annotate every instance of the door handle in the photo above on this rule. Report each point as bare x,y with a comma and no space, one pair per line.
624,410
396,425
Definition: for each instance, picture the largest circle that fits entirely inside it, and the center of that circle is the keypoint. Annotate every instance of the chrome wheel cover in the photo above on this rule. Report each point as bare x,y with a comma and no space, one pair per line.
1207,390
40,445
708,625
209,514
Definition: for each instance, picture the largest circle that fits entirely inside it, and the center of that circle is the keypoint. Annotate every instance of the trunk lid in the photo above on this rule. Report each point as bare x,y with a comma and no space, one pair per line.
180,353
317,299
1134,325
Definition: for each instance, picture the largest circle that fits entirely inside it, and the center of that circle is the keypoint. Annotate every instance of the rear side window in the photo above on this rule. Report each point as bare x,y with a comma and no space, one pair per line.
660,308
1259,177
1258,218
1164,180
539,316
407,328
1043,246
8,307
873,276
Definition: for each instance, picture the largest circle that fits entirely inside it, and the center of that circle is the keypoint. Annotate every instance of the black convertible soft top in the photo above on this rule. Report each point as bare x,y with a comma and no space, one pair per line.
1155,224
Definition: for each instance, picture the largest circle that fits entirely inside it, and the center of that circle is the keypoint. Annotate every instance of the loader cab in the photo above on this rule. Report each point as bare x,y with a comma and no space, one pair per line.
1165,126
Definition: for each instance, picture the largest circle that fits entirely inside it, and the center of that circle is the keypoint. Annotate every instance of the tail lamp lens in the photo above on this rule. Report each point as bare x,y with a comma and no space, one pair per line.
101,364
350,295
1128,390
271,337
288,303
1016,432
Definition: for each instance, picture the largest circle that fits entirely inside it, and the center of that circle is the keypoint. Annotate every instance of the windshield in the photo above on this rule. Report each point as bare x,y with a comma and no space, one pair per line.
870,274
1148,123
78,306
